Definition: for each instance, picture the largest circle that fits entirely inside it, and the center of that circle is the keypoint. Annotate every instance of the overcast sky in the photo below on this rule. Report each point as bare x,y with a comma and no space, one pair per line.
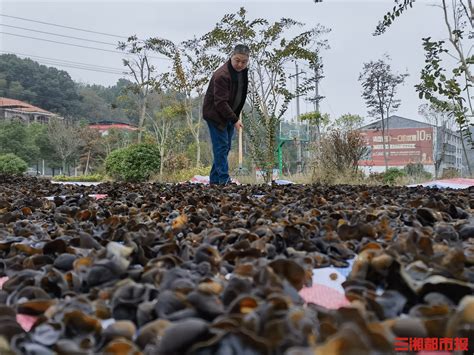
351,22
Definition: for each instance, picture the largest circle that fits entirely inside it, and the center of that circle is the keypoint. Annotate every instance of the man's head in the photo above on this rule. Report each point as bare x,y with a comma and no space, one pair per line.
240,57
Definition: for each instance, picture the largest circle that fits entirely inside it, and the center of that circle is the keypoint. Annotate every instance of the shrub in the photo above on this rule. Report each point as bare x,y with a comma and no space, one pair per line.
177,162
338,155
450,173
11,164
392,174
134,163
417,172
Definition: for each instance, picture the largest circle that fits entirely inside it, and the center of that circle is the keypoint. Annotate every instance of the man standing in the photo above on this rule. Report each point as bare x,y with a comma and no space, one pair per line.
223,102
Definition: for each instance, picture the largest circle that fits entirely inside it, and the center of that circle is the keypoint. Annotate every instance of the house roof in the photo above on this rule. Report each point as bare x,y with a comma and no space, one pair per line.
6,103
396,116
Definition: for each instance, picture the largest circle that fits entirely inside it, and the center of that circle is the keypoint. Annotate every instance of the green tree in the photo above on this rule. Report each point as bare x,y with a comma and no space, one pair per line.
400,7
46,87
13,139
271,47
113,103
318,120
93,108
349,122
447,90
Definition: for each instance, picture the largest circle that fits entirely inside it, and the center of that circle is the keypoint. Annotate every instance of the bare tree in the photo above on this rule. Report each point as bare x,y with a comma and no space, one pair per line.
192,68
162,123
116,139
65,138
341,151
379,89
144,74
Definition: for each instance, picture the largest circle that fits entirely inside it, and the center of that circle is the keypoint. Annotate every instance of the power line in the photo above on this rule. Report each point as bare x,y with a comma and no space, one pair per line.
76,65
60,60
81,46
67,44
62,26
80,67
329,105
59,35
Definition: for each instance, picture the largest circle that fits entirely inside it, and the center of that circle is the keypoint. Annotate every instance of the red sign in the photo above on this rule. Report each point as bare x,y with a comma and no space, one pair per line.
402,146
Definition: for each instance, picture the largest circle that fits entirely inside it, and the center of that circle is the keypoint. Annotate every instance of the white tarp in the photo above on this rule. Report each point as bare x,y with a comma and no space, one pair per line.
458,183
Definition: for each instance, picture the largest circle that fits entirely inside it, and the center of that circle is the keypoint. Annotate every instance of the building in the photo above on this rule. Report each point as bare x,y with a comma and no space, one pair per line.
468,158
11,109
409,141
104,126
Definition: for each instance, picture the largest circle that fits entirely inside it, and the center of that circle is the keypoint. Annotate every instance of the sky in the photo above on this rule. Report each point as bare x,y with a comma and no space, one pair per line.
352,23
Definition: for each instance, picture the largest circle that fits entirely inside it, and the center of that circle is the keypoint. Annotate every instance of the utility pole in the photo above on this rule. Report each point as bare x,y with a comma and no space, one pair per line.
299,153
299,162
317,97
297,96
297,75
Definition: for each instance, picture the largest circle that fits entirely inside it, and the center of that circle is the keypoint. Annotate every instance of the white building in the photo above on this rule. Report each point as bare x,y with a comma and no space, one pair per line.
11,109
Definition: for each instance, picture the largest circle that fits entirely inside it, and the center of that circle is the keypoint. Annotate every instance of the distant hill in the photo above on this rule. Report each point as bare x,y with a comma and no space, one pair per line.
55,91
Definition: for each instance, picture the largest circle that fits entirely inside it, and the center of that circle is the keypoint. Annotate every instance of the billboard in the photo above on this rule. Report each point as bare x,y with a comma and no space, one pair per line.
402,146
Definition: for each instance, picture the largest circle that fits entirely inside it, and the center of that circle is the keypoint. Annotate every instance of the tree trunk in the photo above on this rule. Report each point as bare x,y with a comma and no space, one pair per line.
198,149
465,153
141,119
162,158
87,162
387,128
383,144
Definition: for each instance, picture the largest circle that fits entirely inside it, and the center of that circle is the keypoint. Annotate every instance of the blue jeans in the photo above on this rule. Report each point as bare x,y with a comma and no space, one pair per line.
221,143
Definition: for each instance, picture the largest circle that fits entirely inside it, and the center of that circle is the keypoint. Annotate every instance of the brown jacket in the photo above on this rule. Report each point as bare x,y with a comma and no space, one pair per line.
220,96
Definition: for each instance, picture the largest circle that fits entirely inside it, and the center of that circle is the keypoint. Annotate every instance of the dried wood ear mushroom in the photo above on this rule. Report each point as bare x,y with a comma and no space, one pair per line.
170,269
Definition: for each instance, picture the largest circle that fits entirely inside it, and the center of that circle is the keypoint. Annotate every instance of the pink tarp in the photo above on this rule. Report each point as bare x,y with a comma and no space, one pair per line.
24,320
327,290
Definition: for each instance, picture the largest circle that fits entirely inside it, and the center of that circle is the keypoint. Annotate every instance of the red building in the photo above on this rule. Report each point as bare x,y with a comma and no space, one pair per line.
409,141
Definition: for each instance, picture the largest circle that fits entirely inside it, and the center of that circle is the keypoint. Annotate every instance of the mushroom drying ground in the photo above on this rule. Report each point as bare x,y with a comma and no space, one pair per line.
123,268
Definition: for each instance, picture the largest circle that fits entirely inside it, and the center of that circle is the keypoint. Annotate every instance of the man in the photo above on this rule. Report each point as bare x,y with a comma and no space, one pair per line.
223,103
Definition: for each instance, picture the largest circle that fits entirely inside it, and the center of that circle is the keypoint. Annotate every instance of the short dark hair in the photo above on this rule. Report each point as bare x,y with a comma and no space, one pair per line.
241,49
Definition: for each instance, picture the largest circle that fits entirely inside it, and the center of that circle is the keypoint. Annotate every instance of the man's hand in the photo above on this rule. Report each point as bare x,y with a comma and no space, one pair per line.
238,125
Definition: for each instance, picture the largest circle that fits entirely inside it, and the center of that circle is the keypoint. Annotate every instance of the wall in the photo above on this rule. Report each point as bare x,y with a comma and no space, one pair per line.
403,146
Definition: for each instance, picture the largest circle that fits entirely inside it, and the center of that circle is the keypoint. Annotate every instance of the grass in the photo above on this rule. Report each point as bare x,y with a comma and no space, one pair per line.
80,178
